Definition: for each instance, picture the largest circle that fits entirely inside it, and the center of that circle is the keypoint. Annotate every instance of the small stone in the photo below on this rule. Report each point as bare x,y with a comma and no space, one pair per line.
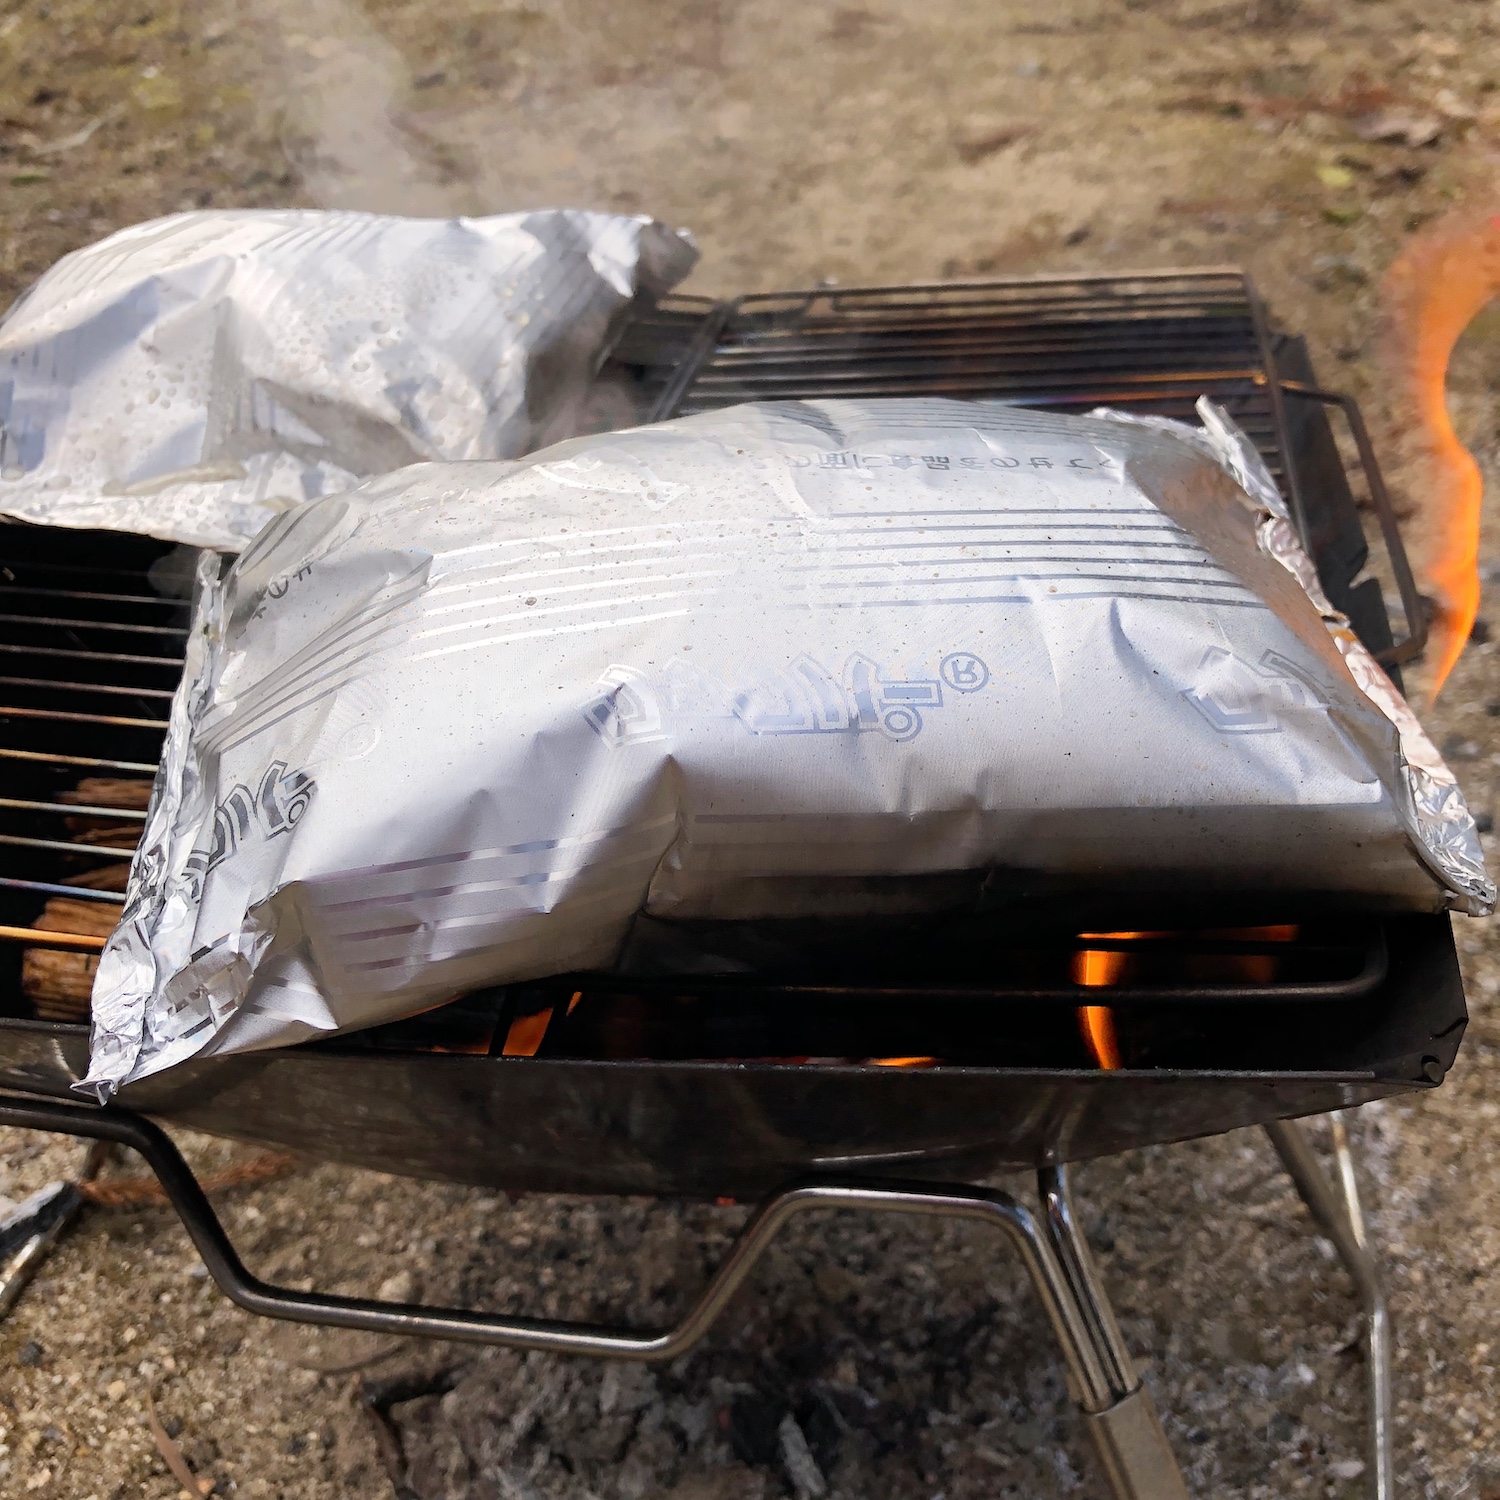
1347,1468
1027,1436
801,1467
835,1284
1399,127
401,1287
1456,747
1451,107
1479,631
30,1355
115,1390
1484,822
1330,271
1404,175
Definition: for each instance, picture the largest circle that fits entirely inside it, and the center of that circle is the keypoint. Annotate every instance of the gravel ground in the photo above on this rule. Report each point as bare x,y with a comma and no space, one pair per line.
868,1357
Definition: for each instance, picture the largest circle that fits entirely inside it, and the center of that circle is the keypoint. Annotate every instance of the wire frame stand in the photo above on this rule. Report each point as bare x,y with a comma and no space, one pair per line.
1116,1408
1339,1215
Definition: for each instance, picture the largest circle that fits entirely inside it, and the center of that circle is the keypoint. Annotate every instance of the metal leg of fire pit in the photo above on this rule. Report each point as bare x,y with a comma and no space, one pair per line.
1344,1223
34,1229
1127,1434
1117,1409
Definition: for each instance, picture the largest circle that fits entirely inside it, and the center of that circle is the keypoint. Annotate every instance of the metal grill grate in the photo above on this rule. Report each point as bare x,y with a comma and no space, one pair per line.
1150,342
92,628
656,343
92,624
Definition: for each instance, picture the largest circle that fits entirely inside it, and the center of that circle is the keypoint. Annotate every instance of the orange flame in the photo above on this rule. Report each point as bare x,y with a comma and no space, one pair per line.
1432,291
1097,1022
526,1034
1100,968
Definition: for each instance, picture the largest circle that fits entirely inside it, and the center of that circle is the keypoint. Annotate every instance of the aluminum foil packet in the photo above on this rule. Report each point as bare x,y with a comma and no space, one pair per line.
193,377
468,723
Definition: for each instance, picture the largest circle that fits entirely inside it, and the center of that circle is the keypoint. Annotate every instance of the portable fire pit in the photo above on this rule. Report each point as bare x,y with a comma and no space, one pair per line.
813,1080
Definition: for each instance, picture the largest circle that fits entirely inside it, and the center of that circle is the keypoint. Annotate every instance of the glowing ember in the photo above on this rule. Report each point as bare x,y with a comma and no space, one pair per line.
1433,289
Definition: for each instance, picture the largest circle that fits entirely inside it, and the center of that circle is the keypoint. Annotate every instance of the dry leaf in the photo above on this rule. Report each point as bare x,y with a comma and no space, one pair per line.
78,137
979,139
131,1192
172,1455
389,1350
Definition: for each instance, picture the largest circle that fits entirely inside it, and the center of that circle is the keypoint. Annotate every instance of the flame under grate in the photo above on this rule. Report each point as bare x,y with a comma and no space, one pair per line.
92,625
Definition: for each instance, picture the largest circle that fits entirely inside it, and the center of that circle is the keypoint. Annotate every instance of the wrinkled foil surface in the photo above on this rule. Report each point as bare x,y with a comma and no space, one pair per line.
463,724
193,377
1448,838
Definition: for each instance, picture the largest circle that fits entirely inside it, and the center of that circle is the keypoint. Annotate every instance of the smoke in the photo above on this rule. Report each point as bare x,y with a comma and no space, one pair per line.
344,87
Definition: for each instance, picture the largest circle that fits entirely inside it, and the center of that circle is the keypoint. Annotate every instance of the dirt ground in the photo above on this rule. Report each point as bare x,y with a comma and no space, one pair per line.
872,1359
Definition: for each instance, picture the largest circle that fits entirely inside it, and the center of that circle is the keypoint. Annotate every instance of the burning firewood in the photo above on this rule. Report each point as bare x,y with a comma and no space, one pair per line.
110,877
129,793
58,983
107,791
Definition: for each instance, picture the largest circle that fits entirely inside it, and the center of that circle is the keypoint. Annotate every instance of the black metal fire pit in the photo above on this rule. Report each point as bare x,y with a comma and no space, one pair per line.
947,1050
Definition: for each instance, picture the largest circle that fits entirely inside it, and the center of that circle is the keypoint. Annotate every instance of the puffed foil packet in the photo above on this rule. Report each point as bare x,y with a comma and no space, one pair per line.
463,724
193,377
